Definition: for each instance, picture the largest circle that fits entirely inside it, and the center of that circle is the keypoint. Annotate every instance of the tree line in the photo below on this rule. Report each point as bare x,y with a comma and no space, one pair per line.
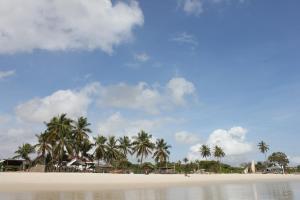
65,139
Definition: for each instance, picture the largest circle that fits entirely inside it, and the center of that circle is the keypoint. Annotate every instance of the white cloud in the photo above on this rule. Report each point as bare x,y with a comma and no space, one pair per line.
6,74
179,89
116,124
141,57
74,103
66,25
196,7
137,97
233,142
185,38
141,96
4,119
14,137
193,7
186,137
147,98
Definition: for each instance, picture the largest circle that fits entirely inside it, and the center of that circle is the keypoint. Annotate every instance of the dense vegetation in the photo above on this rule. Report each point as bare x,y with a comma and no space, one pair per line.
65,139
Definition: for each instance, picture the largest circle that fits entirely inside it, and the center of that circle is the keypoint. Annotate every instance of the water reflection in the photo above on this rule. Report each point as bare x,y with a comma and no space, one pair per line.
251,191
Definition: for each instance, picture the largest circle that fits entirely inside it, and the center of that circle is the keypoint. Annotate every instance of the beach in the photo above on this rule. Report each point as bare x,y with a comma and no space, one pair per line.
89,181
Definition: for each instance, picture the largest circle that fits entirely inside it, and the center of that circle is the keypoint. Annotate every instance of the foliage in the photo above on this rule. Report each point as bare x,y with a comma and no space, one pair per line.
279,158
205,151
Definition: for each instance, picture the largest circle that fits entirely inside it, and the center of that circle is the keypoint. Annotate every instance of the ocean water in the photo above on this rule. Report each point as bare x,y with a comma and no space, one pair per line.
224,191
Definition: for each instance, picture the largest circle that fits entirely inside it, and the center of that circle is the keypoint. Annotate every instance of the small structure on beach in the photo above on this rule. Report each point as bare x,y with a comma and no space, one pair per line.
103,168
12,165
274,170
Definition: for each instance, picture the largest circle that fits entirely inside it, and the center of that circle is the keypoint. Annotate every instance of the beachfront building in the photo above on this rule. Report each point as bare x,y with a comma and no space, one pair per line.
12,165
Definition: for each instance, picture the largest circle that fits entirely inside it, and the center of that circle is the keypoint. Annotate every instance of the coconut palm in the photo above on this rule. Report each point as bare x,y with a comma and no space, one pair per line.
100,150
84,148
43,146
60,129
205,151
80,133
24,151
218,153
125,145
161,153
263,148
142,145
112,150
185,160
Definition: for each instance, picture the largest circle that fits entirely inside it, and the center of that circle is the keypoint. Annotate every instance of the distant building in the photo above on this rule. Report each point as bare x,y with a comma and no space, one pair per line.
12,165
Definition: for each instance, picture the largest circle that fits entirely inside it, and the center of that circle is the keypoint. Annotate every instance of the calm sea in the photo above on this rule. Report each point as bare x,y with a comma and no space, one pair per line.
233,191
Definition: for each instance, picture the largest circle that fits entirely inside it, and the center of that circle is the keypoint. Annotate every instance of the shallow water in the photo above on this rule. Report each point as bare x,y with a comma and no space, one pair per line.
232,191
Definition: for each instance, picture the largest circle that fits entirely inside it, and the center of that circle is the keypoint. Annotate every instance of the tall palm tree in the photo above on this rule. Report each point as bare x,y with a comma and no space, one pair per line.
112,150
205,151
84,148
142,145
161,153
263,148
100,150
218,153
80,133
43,146
60,130
185,160
24,151
125,145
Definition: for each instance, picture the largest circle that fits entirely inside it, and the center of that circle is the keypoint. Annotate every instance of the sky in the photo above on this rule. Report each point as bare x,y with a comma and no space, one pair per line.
215,72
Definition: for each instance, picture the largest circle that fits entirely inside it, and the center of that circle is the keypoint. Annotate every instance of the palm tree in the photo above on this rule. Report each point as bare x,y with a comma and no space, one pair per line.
84,148
263,148
142,145
60,129
100,150
162,152
42,147
112,150
185,160
24,151
205,151
80,133
125,145
218,153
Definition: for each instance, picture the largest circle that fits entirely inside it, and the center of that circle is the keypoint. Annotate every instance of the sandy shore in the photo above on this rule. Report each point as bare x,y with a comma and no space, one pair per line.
84,181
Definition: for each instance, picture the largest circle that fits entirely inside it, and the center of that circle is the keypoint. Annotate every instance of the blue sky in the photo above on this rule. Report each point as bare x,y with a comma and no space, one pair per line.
191,71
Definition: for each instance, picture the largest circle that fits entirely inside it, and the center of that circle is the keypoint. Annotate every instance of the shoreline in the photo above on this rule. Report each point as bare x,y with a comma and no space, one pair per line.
20,182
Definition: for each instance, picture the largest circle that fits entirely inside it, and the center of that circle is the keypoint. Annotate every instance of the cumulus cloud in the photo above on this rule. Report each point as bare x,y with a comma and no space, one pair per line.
12,138
6,74
193,7
196,7
233,142
66,25
116,124
147,98
137,97
141,57
180,88
74,103
186,137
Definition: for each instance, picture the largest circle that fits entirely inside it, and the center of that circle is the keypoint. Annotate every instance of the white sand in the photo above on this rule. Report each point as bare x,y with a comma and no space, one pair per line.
89,181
